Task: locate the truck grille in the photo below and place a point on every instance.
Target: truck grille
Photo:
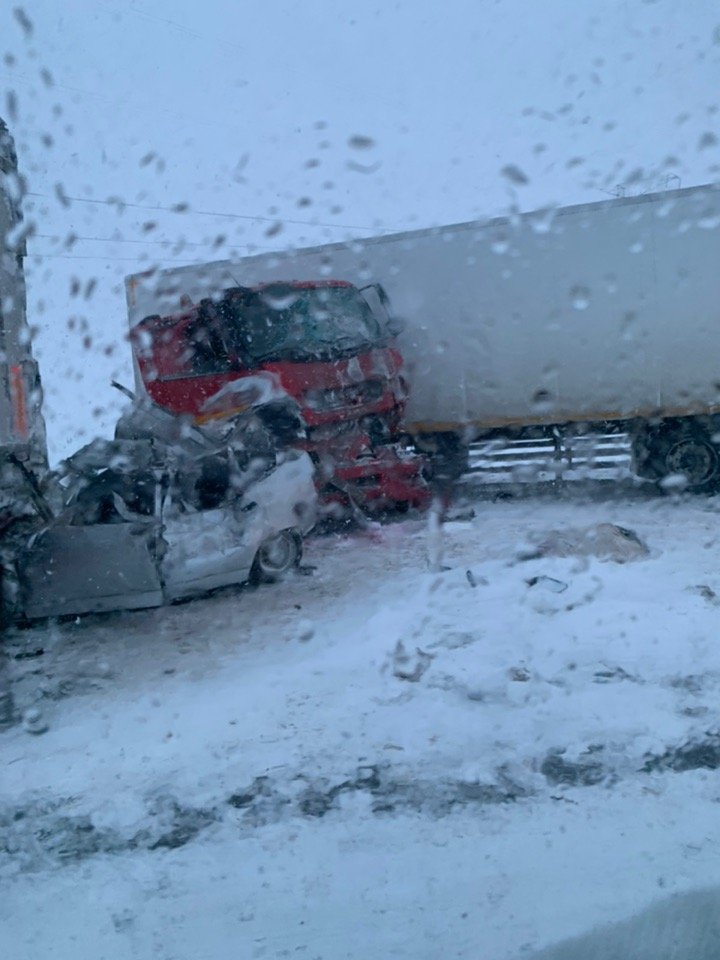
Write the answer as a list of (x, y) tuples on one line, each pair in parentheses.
[(338, 398)]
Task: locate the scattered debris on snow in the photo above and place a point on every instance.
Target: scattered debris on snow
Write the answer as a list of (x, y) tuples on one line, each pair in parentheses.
[(33, 721), (702, 753), (474, 580), (548, 583), (408, 666), (559, 771), (304, 631), (707, 593), (606, 541)]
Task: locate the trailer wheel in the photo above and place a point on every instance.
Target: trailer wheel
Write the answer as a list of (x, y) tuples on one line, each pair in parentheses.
[(679, 450), (276, 557)]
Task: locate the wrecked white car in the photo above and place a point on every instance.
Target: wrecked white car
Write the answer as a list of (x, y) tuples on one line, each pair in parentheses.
[(127, 560), (146, 521)]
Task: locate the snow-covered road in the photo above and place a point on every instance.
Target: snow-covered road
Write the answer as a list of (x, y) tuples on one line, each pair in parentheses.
[(376, 760)]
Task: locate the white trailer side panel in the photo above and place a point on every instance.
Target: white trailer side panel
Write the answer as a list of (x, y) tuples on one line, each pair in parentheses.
[(602, 311)]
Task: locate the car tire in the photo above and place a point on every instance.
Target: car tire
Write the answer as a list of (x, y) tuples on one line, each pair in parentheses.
[(276, 557)]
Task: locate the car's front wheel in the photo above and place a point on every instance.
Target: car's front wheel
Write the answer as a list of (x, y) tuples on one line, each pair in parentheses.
[(276, 556)]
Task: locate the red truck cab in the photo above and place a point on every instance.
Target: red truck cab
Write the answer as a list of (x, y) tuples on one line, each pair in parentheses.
[(328, 344)]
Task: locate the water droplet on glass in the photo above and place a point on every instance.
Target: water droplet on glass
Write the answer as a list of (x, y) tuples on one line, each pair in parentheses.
[(279, 300), (580, 297), (628, 326), (499, 244), (24, 20), (634, 177), (674, 483), (542, 401), (709, 220), (514, 174), (361, 142), (542, 221)]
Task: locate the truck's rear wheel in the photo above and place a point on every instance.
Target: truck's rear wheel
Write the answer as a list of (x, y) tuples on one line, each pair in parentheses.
[(683, 451)]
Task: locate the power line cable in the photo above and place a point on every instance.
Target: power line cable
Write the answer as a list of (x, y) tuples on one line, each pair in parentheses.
[(166, 243), (131, 8), (74, 256), (183, 208)]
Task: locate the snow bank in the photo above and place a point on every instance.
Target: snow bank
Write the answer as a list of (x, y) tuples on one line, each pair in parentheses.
[(377, 759)]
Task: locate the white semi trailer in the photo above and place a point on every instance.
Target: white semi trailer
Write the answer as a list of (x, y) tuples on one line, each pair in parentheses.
[(597, 314)]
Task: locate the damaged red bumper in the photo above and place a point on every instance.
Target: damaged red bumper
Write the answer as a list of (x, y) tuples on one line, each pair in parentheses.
[(387, 479)]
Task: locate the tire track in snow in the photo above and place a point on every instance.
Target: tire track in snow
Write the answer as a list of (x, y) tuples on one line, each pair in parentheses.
[(38, 835)]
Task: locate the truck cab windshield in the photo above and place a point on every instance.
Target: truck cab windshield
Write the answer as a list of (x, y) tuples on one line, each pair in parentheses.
[(284, 321)]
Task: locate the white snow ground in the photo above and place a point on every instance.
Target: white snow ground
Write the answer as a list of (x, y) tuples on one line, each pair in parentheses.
[(248, 776)]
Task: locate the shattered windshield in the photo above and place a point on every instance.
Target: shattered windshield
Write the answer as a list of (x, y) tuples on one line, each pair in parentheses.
[(287, 322)]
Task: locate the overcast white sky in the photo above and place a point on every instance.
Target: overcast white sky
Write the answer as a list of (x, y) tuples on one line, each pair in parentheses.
[(309, 121)]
